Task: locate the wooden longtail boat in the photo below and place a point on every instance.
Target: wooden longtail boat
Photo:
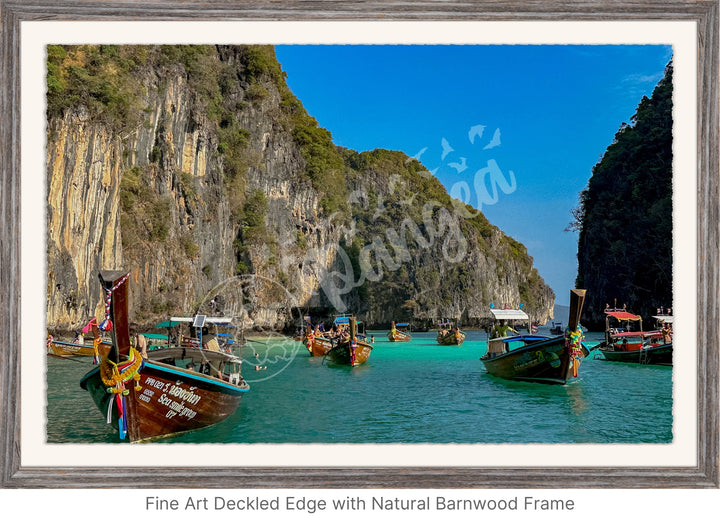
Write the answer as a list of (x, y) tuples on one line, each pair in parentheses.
[(64, 348), (626, 342), (556, 328), (164, 395), (91, 349), (317, 345), (352, 352), (641, 353), (396, 335), (449, 335), (538, 358), (316, 340)]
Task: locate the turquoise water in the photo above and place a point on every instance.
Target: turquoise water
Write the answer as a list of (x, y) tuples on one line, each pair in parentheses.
[(416, 392)]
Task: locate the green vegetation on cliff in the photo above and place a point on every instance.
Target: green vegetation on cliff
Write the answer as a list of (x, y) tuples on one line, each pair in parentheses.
[(412, 249), (625, 214)]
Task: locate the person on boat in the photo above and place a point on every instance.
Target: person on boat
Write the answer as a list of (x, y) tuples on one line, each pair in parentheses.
[(501, 330), (77, 338), (372, 338), (666, 333), (142, 345)]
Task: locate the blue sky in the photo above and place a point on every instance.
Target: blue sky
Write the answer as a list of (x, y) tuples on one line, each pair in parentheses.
[(552, 110)]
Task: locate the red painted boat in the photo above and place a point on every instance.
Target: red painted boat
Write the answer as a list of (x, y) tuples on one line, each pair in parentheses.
[(178, 390), (626, 342)]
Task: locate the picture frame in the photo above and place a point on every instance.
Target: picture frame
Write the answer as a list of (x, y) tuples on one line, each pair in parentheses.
[(705, 474)]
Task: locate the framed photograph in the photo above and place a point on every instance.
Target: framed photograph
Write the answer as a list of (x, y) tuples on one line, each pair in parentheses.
[(146, 156)]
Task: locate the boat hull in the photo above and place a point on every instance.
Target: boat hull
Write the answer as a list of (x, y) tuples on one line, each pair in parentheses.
[(318, 347), (71, 349), (543, 361), (399, 337), (655, 355), (342, 354), (170, 401), (451, 339), (74, 349)]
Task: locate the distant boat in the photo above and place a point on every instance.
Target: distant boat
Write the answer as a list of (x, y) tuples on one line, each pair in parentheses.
[(556, 328), (625, 340), (176, 390), (449, 335), (537, 358), (351, 352), (92, 349), (399, 333)]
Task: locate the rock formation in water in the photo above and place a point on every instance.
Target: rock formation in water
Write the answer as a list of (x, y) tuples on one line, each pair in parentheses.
[(625, 216), (196, 169)]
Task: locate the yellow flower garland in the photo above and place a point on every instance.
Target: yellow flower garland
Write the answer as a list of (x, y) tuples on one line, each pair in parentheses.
[(114, 380)]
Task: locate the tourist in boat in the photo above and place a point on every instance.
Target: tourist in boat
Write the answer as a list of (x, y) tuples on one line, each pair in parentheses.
[(142, 345), (667, 333), (501, 330)]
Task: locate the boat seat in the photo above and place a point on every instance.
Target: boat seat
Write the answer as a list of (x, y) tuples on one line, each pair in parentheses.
[(496, 347)]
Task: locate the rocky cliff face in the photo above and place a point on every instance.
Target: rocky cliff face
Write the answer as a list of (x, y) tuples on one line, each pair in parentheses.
[(197, 170)]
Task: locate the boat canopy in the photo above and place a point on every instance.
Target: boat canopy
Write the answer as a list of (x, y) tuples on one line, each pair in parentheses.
[(509, 315), (208, 320), (167, 324), (156, 336), (623, 316), (664, 318), (402, 324)]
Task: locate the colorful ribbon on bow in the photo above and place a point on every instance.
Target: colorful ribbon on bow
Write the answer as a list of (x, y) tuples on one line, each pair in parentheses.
[(106, 325), (573, 343), (114, 376)]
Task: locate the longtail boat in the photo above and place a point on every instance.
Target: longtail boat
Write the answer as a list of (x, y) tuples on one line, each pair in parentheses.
[(317, 344), (176, 390), (537, 358), (316, 340), (399, 333), (353, 351), (92, 349), (449, 335), (626, 342)]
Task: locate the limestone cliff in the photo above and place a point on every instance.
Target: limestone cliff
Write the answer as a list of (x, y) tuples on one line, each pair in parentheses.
[(195, 168)]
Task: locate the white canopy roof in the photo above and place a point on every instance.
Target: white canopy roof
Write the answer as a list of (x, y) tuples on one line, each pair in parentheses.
[(509, 315), (664, 318), (208, 320)]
